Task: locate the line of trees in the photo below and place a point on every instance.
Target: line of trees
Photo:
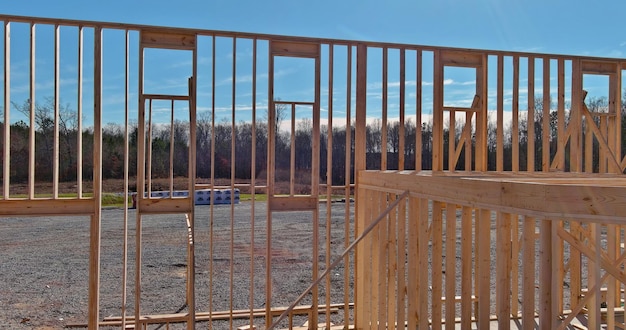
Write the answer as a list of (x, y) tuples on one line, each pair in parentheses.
[(240, 135)]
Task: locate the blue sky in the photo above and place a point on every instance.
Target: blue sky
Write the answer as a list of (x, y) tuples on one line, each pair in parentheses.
[(560, 27), (551, 26)]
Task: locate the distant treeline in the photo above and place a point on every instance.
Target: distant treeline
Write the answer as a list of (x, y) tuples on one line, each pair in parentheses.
[(225, 135)]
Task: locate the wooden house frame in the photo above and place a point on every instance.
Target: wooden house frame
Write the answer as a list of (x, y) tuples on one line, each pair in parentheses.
[(408, 216)]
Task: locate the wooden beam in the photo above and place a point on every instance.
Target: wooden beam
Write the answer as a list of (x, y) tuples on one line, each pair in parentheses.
[(167, 40), (466, 267), (436, 268), (528, 276), (515, 117), (46, 207), (359, 164), (294, 49), (500, 117), (461, 59), (546, 317), (6, 159), (503, 267), (530, 122), (451, 280), (587, 200), (547, 102), (31, 116), (94, 232)]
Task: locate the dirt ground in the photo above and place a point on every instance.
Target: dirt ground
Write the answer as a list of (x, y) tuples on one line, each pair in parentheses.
[(44, 263)]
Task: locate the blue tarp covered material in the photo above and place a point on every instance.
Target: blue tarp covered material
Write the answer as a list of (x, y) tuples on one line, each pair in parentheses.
[(202, 196)]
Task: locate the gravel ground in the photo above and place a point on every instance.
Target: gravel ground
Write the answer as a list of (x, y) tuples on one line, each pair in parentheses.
[(44, 261)]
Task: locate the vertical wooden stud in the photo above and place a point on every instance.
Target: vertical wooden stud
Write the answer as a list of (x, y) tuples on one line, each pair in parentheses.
[(437, 258), (546, 317), (94, 240), (450, 289), (483, 238), (57, 88), (329, 181), (466, 267), (422, 262), (392, 265), (347, 186), (31, 124), (545, 138), (528, 277), (418, 112), (530, 152), (383, 133), (515, 117), (503, 275), (401, 137), (500, 117), (79, 115), (359, 164), (437, 130), (6, 160)]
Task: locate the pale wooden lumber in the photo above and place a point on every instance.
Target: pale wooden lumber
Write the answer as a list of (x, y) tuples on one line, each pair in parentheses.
[(528, 279), (6, 159), (545, 122), (503, 273), (413, 298), (31, 117), (452, 146), (94, 229), (359, 164), (383, 131), (530, 119), (401, 138), (79, 112), (347, 176), (560, 124), (546, 316), (329, 165), (392, 262), (253, 183), (403, 232), (167, 40), (466, 267), (141, 186), (57, 91), (575, 121), (438, 103), (515, 264), (481, 115), (515, 117), (191, 172), (271, 166), (232, 180), (376, 296), (126, 170), (212, 206), (422, 209), (383, 248), (450, 285), (418, 112), (436, 272), (294, 49), (483, 243)]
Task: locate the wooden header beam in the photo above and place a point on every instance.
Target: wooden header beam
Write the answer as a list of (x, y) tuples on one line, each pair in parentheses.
[(583, 198), (168, 40), (294, 49)]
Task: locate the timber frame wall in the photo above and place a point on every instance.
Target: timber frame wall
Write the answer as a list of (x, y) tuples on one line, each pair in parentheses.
[(579, 136)]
